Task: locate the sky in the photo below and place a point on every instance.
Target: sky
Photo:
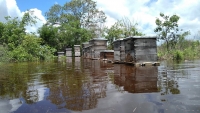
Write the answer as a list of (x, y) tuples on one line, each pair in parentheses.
[(143, 12)]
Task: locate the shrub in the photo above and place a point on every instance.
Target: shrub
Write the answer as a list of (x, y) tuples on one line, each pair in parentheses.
[(178, 55)]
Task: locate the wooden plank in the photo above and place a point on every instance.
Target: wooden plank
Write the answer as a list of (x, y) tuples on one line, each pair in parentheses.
[(147, 51), (117, 46), (129, 45), (122, 56), (77, 54), (145, 42), (99, 47), (68, 53), (117, 55), (146, 58)]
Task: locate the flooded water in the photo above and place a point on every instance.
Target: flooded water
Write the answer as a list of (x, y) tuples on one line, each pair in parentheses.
[(92, 86)]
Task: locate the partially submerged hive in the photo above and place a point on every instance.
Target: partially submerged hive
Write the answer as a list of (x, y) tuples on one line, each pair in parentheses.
[(107, 55), (85, 50), (68, 52), (60, 54), (136, 49), (77, 50), (119, 51), (97, 45), (141, 48)]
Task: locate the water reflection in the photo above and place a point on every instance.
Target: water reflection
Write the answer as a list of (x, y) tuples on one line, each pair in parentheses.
[(79, 87), (136, 79), (76, 84)]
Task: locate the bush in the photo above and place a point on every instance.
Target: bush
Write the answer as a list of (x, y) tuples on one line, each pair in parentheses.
[(178, 55), (30, 50)]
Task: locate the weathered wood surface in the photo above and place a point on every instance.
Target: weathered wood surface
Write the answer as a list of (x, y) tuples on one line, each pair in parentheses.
[(119, 51), (77, 50), (116, 45), (61, 53), (116, 55), (97, 41), (145, 42), (129, 45), (68, 52), (107, 55), (145, 51), (101, 47), (146, 58), (141, 49), (77, 54)]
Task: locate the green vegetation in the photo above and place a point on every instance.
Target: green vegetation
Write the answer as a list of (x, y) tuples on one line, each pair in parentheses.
[(184, 50), (121, 29), (78, 21), (17, 45), (176, 46)]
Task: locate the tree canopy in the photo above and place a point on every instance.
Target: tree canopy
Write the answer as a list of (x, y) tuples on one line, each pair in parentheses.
[(78, 20), (167, 29), (121, 29), (19, 45)]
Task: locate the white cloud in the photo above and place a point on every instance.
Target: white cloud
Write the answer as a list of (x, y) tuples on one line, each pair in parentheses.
[(40, 20), (8, 106), (144, 12), (10, 8)]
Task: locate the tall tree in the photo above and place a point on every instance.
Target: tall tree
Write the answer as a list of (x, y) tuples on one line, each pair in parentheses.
[(167, 29), (122, 29), (77, 19), (49, 34), (85, 11)]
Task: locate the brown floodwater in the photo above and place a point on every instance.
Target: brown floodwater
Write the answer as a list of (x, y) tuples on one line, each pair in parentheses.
[(92, 86)]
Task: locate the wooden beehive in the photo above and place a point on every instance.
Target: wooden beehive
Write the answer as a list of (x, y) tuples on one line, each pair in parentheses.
[(84, 49), (68, 52), (141, 49), (107, 55), (119, 51), (97, 45), (77, 51)]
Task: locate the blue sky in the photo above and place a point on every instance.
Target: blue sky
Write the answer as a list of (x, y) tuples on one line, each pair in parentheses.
[(43, 5)]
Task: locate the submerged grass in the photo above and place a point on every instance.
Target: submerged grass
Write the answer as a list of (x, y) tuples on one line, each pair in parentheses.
[(185, 50)]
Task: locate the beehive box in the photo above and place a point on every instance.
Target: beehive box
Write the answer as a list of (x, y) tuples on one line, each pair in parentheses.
[(141, 49), (68, 52), (107, 55), (84, 49), (97, 45), (77, 51), (119, 51)]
